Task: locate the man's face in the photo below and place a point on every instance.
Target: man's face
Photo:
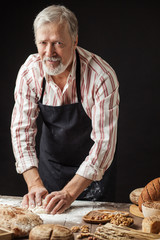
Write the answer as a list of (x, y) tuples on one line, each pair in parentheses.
[(55, 47)]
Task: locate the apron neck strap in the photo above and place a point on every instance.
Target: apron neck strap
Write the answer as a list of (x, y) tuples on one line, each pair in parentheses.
[(43, 88), (78, 77)]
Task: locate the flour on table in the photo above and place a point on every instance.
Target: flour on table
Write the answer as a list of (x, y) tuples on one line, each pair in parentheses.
[(38, 210)]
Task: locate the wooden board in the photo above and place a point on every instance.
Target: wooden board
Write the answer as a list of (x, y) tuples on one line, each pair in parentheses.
[(134, 209), (4, 235), (96, 216)]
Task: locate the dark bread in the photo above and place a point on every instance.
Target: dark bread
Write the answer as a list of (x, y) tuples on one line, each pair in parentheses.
[(151, 192)]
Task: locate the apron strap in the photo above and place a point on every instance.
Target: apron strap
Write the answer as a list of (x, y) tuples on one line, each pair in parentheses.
[(43, 88), (78, 77)]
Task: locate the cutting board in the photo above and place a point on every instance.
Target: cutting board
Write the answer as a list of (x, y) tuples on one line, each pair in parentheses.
[(134, 209), (5, 235)]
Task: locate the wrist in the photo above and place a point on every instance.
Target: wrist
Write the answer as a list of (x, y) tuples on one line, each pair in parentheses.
[(32, 178), (76, 186)]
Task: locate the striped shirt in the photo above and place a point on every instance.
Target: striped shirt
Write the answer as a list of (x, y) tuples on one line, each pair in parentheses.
[(100, 100)]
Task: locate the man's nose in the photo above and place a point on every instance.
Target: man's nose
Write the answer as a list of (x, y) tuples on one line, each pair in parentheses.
[(50, 50)]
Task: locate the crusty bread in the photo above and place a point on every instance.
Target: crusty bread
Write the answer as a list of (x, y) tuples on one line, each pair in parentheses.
[(151, 224), (151, 192), (134, 195), (18, 220), (50, 232)]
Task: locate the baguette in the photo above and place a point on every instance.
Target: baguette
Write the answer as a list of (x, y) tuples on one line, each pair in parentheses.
[(151, 192), (17, 220)]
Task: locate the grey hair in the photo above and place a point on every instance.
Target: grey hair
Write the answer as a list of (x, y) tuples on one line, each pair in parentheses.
[(57, 13)]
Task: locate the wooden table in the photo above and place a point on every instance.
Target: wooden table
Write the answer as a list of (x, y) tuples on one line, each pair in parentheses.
[(73, 216)]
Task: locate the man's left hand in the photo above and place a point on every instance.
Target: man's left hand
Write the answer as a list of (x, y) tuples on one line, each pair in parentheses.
[(57, 202)]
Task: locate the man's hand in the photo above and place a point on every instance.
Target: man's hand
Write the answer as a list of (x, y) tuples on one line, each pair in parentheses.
[(36, 189), (57, 202), (34, 197)]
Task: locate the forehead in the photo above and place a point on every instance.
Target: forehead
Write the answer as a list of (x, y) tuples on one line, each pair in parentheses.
[(53, 30)]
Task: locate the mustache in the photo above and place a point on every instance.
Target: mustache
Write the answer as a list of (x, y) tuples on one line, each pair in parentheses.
[(51, 59)]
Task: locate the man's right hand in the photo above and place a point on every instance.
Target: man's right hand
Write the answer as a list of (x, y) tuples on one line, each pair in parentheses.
[(36, 189), (34, 197)]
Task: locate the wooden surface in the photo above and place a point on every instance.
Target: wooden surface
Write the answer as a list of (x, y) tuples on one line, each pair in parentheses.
[(134, 209), (73, 216), (5, 235)]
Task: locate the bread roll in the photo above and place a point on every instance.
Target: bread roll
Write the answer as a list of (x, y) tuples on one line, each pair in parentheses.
[(51, 232), (18, 220), (151, 192)]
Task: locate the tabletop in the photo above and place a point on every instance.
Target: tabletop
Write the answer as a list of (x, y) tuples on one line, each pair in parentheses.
[(74, 215)]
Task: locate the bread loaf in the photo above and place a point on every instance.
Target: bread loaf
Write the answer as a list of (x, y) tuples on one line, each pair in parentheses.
[(151, 224), (134, 195), (51, 232), (151, 192), (18, 220)]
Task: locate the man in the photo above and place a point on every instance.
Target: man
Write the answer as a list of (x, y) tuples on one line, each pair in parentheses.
[(76, 93)]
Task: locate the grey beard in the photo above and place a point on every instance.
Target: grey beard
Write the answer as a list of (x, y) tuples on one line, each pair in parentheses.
[(57, 70)]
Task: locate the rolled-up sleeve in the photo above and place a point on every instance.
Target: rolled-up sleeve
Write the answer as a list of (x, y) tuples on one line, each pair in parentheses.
[(104, 118), (23, 122)]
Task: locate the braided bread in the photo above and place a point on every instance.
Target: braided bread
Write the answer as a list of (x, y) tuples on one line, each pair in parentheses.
[(151, 192)]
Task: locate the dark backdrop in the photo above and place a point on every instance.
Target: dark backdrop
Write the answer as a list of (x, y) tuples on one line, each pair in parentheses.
[(126, 34)]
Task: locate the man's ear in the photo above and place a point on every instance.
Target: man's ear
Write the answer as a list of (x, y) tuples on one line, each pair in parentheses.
[(76, 42)]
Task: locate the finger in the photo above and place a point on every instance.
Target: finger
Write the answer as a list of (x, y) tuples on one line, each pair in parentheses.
[(25, 201), (45, 195), (31, 200), (52, 204), (39, 196), (48, 199), (60, 205), (63, 208), (38, 199)]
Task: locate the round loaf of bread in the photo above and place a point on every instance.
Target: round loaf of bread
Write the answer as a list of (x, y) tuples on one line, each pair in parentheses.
[(51, 232), (151, 192), (134, 195)]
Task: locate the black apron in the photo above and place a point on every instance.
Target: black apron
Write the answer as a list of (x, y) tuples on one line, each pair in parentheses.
[(65, 143)]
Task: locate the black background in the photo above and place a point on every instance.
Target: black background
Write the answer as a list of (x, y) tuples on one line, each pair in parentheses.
[(127, 35)]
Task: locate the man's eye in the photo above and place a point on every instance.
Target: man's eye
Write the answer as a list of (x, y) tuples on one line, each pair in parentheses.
[(42, 43), (59, 44)]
